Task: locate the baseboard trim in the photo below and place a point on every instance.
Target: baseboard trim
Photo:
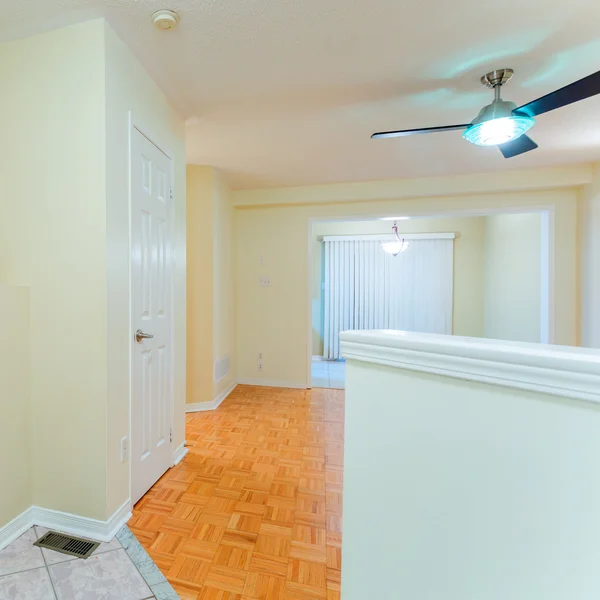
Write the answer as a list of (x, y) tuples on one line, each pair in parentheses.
[(102, 531), (94, 529), (272, 383), (13, 529), (179, 453), (202, 406)]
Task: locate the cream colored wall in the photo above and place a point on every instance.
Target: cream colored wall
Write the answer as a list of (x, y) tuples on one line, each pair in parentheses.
[(224, 249), (468, 266), (275, 319), (64, 232), (130, 90), (512, 276), (15, 450), (200, 294), (499, 478), (211, 282), (53, 239), (590, 265)]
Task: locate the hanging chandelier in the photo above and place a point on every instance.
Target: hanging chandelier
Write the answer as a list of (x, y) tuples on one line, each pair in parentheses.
[(395, 246)]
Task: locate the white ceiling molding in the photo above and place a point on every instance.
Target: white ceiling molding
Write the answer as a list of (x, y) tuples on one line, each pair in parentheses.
[(565, 371), (429, 187)]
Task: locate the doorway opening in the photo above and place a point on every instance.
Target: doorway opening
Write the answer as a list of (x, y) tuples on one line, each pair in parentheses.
[(473, 275)]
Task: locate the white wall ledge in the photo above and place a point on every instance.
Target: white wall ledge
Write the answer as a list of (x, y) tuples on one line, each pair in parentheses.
[(564, 371)]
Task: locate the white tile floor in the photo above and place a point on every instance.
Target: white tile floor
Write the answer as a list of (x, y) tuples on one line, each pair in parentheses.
[(329, 374), (31, 573)]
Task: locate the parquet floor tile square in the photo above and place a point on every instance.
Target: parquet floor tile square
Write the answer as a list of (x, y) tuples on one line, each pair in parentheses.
[(185, 592), (299, 591), (227, 579), (199, 549), (233, 556), (308, 552), (254, 511), (269, 564), (264, 587), (189, 571), (208, 593), (208, 533), (273, 545)]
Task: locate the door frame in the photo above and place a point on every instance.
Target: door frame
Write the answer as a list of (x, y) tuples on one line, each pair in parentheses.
[(136, 125), (547, 263)]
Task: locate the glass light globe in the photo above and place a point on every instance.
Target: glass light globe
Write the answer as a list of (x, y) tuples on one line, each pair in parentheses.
[(395, 247), (498, 131)]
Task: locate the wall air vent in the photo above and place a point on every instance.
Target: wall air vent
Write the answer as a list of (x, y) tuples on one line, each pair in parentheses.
[(222, 366)]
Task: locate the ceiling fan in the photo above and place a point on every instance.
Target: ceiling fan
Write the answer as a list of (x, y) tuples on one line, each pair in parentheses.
[(502, 123)]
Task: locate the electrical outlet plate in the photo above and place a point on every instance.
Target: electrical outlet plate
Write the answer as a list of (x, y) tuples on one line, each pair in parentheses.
[(265, 281), (124, 449)]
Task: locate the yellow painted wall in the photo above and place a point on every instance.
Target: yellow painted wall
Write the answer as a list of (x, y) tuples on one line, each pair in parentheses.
[(64, 232), (200, 295), (275, 319), (590, 267), (130, 90), (15, 450), (53, 239), (512, 277), (211, 282), (468, 266), (224, 248)]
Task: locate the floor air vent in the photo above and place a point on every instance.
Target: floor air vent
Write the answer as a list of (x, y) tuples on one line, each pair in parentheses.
[(67, 544)]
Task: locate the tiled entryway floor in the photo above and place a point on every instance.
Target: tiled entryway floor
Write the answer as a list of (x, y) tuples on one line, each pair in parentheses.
[(329, 374), (31, 573)]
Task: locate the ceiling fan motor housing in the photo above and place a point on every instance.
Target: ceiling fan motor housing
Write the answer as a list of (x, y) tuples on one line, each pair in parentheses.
[(497, 77), (498, 109)]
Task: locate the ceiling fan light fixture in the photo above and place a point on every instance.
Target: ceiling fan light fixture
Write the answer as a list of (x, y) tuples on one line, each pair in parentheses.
[(498, 131)]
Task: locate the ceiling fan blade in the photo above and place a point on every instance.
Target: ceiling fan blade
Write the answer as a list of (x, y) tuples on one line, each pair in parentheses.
[(522, 144), (388, 134), (579, 90)]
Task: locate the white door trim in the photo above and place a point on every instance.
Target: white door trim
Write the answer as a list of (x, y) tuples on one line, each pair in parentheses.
[(136, 125)]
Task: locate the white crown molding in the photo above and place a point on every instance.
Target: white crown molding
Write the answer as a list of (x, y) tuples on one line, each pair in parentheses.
[(94, 529), (203, 406), (558, 370), (272, 383), (179, 453)]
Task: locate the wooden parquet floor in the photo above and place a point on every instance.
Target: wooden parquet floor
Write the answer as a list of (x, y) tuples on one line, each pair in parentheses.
[(254, 511)]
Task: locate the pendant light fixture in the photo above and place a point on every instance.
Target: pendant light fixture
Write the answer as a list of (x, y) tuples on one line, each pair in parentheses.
[(395, 246)]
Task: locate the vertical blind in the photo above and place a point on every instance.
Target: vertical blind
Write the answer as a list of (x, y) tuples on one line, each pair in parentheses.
[(365, 288)]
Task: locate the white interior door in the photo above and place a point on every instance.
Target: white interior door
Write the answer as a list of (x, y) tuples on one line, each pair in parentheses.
[(151, 267)]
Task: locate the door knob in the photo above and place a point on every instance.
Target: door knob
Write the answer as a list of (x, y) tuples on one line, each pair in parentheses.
[(140, 335)]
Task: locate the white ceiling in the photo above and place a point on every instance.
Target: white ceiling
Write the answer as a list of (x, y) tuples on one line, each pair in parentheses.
[(287, 92)]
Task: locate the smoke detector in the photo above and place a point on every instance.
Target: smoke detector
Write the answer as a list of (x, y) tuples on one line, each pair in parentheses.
[(165, 19)]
